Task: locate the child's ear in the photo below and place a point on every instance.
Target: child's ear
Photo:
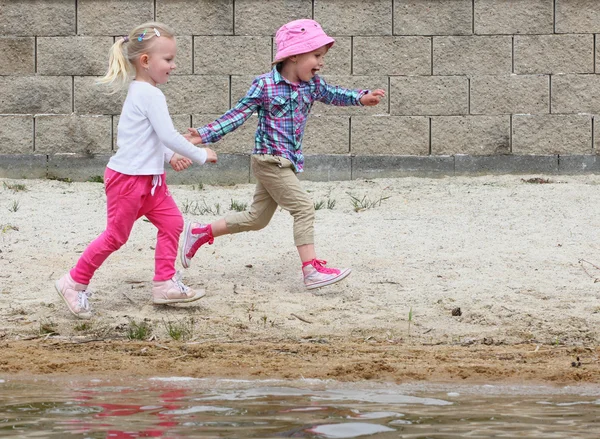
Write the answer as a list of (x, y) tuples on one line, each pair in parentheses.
[(144, 60), (293, 59)]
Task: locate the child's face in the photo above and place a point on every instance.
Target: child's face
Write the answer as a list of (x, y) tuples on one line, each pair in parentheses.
[(161, 60), (308, 64)]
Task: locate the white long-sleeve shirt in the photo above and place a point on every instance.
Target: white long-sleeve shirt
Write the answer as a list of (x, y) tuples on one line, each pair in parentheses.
[(146, 135)]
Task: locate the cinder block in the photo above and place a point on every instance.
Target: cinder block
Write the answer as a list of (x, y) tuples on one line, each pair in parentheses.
[(16, 134), (240, 141), (552, 134), (229, 169), (23, 165), (339, 58), (86, 135), (185, 55), (355, 17), (77, 167), (505, 164), (359, 83), (180, 121), (579, 164), (510, 94), (322, 167), (575, 94), (41, 18), (429, 95), (94, 98), (257, 17), (401, 166), (514, 17), (52, 94), (197, 17), (474, 55), (240, 86), (390, 135), (17, 55), (392, 56), (73, 55), (197, 94), (596, 135), (476, 135), (327, 135), (577, 16), (554, 54), (433, 17), (231, 55), (112, 17)]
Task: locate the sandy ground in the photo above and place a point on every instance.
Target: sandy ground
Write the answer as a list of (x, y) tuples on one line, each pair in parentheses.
[(519, 259)]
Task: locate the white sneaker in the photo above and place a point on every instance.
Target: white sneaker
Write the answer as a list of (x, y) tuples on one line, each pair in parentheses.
[(316, 275), (174, 291), (75, 295)]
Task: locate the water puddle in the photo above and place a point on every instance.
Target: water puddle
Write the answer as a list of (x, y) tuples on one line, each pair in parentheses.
[(201, 408)]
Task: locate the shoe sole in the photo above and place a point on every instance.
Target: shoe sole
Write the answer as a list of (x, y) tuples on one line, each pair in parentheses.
[(84, 316), (169, 301), (344, 274), (184, 261)]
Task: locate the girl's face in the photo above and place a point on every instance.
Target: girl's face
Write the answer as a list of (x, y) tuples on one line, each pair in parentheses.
[(308, 64), (159, 62)]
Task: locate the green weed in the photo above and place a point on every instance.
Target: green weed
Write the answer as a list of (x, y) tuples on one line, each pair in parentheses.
[(138, 331), (14, 187), (182, 330), (365, 202), (195, 208), (14, 206), (237, 206), (96, 179)]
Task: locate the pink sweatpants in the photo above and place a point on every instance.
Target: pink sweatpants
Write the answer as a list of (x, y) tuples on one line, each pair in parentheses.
[(128, 197)]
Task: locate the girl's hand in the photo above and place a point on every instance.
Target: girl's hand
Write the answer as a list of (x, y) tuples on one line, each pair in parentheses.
[(372, 98), (192, 136), (211, 156), (179, 162)]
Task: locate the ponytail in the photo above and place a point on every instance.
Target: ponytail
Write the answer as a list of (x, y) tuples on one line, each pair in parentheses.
[(120, 69)]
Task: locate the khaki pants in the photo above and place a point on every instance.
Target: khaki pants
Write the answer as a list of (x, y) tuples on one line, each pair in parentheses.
[(277, 186)]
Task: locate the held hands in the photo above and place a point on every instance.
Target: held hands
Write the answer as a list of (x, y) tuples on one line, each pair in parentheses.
[(372, 98), (211, 156), (192, 136), (179, 162)]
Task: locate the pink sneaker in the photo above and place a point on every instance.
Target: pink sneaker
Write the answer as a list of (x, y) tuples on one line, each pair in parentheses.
[(195, 236), (316, 275), (174, 291), (75, 296)]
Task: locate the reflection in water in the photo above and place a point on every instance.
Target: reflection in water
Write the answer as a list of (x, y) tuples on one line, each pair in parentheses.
[(179, 407)]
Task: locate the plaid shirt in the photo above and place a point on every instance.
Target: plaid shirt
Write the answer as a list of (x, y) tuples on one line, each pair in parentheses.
[(283, 109)]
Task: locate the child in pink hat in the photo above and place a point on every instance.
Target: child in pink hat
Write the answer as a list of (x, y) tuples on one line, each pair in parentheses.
[(283, 99)]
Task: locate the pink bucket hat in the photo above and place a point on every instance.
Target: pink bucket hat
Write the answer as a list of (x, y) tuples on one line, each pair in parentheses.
[(300, 36)]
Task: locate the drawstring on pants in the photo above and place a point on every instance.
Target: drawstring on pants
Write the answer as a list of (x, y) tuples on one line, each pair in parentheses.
[(156, 181)]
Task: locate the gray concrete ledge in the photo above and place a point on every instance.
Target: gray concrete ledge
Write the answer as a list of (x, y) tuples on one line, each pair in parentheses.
[(235, 168), (401, 166), (579, 164), (23, 165), (505, 164)]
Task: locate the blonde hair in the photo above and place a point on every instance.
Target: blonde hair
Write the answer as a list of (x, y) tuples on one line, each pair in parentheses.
[(127, 49)]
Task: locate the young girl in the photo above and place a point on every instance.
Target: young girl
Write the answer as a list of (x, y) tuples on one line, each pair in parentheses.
[(134, 179), (283, 98)]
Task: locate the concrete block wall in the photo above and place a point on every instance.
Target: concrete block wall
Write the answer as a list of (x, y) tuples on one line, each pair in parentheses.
[(472, 85)]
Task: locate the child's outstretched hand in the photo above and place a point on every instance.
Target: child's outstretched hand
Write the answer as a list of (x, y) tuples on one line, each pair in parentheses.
[(179, 162), (192, 136), (372, 98), (211, 156)]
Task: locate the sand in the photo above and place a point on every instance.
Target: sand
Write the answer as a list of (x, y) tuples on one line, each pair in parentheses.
[(520, 260)]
